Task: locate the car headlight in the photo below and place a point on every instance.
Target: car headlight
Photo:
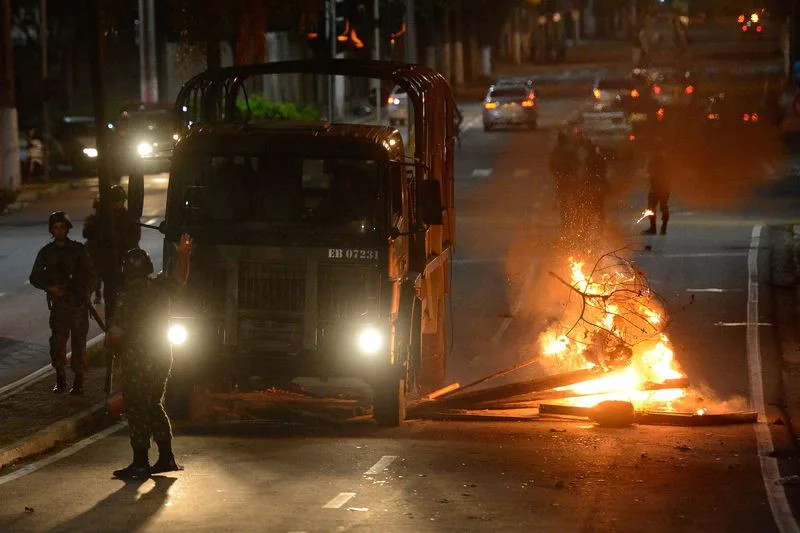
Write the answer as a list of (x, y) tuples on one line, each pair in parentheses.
[(90, 152), (370, 340), (177, 334), (144, 149)]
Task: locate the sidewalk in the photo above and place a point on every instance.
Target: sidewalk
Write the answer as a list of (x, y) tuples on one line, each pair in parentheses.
[(32, 192)]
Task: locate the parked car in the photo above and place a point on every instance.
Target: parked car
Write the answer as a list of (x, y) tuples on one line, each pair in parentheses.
[(510, 105)]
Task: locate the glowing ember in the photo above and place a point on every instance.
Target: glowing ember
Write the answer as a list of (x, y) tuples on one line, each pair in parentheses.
[(620, 332), (646, 213)]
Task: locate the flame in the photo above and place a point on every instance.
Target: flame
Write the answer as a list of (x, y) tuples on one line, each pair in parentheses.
[(615, 317), (646, 213)]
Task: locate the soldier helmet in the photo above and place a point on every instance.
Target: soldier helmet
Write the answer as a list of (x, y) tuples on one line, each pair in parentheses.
[(118, 194), (59, 216), (136, 264)]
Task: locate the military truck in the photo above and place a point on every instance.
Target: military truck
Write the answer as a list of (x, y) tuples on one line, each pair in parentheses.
[(321, 249)]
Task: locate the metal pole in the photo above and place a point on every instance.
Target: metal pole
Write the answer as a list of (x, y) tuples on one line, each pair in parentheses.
[(46, 92), (332, 37), (376, 55), (147, 52), (96, 63), (411, 32)]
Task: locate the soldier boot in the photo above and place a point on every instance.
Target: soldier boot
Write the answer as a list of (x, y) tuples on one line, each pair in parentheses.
[(61, 381), (77, 385), (138, 469), (166, 459)]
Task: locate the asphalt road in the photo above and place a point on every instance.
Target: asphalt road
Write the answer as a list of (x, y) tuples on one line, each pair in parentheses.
[(712, 270)]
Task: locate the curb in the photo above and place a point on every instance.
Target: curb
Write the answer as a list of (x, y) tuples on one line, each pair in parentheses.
[(63, 430), (38, 375)]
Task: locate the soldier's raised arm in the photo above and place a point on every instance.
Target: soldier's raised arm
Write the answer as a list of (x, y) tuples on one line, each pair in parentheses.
[(181, 274)]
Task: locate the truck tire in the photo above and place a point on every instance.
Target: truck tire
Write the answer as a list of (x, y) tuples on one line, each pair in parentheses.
[(389, 402), (389, 389)]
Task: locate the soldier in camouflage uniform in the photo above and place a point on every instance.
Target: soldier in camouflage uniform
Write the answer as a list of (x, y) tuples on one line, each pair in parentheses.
[(136, 335), (64, 270)]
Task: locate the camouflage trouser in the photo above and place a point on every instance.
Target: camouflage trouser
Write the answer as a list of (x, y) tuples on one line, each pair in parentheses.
[(144, 381), (68, 323)]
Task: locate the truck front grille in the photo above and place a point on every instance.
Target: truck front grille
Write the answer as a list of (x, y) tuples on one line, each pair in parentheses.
[(272, 287)]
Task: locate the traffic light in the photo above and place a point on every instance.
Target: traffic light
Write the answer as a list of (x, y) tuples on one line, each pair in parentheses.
[(394, 21), (349, 15)]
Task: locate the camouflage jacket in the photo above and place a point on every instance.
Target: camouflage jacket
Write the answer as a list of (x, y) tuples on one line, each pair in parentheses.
[(68, 265), (142, 313)]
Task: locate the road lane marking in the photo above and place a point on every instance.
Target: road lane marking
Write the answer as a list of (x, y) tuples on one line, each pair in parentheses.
[(481, 172), (381, 465), (521, 173), (740, 324), (713, 290), (75, 448), (776, 495), (339, 500)]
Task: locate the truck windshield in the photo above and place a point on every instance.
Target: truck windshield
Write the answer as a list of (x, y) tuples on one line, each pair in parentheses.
[(276, 190)]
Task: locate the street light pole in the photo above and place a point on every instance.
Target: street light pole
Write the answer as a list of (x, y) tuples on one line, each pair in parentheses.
[(376, 55), (46, 92)]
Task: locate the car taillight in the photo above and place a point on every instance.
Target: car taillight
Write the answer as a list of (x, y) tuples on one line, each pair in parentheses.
[(631, 137), (527, 103), (754, 117), (634, 94), (660, 113), (744, 28), (741, 19), (759, 28), (746, 117), (712, 116), (657, 89), (489, 105), (689, 89), (596, 93)]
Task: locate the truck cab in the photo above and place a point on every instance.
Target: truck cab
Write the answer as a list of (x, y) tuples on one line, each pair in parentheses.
[(321, 249)]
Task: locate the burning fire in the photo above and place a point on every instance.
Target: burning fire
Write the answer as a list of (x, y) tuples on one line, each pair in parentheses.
[(619, 333), (646, 213)]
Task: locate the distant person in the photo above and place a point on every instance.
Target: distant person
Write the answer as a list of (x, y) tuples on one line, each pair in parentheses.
[(93, 243), (596, 185), (126, 236), (64, 270), (564, 165), (35, 156), (658, 195), (145, 358)]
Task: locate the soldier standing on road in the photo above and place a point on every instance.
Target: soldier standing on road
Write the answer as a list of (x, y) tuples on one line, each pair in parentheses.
[(127, 237), (64, 270), (658, 195), (137, 333)]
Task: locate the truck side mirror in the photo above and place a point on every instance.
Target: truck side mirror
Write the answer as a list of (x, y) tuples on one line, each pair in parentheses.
[(136, 195), (431, 203)]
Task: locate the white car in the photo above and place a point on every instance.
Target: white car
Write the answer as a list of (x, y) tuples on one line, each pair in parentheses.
[(609, 130), (397, 107)]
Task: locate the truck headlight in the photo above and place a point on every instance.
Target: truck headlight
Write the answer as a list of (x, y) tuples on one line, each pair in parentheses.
[(370, 340), (177, 334), (91, 153), (144, 149)]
